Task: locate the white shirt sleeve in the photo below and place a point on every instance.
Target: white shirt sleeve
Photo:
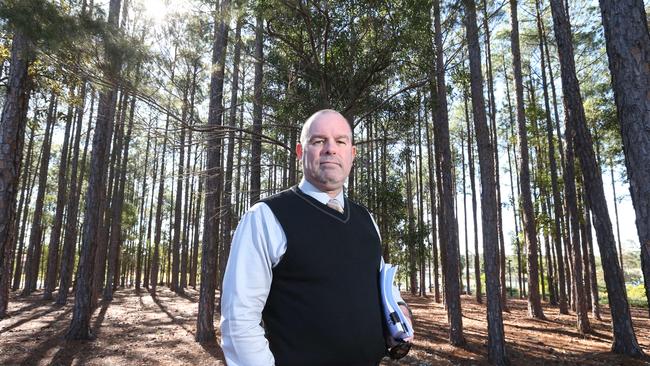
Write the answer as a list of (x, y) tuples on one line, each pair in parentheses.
[(396, 293), (257, 246)]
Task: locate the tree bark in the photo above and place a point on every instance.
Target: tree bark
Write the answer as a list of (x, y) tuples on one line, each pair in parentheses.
[(410, 242), (256, 142), (432, 200), (61, 198), (232, 120), (472, 177), (213, 185), (618, 231), (71, 230), (80, 325), (557, 201), (141, 229), (493, 125), (530, 228), (496, 338), (116, 221), (114, 149), (450, 224), (25, 198), (589, 254), (628, 49), (148, 253), (570, 191), (12, 131), (189, 198), (178, 204), (515, 207), (462, 154), (623, 331), (195, 240), (34, 249)]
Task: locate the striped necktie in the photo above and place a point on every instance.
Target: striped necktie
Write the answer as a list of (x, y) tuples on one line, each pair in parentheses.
[(334, 204)]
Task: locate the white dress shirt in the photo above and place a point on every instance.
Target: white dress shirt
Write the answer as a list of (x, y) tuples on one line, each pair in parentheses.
[(257, 247)]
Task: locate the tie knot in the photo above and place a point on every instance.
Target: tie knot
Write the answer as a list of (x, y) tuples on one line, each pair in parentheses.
[(334, 204)]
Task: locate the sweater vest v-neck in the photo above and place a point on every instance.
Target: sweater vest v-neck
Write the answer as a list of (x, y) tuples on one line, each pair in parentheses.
[(324, 306)]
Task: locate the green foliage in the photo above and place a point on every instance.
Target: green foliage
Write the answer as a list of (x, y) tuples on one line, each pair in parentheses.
[(129, 216), (332, 54), (4, 51), (44, 22), (636, 295)]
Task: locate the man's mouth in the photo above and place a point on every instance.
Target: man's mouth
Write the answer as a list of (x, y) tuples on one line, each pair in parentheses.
[(330, 162)]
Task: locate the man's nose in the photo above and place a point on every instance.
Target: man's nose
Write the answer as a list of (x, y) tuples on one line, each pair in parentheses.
[(330, 147)]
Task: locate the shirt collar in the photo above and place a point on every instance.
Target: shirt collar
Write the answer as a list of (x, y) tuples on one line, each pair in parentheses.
[(322, 197)]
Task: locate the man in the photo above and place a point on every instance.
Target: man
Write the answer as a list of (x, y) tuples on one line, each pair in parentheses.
[(305, 263)]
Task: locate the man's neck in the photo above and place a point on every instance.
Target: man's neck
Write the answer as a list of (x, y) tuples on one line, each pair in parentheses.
[(312, 190)]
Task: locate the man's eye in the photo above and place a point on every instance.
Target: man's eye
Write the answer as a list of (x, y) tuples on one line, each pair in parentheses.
[(317, 142), (341, 142)]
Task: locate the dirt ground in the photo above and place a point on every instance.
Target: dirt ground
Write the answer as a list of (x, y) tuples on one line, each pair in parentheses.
[(136, 329)]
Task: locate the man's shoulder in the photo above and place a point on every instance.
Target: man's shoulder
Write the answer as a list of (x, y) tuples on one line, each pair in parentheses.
[(357, 205), (280, 196)]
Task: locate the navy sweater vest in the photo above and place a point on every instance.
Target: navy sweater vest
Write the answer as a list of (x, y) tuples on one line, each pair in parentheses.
[(324, 304)]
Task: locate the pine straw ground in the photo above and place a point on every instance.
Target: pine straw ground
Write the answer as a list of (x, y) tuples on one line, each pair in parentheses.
[(136, 329)]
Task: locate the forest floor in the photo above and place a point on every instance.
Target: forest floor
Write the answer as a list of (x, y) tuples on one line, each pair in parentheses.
[(136, 329)]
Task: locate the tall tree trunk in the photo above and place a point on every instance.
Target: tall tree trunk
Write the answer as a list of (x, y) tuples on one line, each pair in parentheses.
[(155, 256), (178, 204), (141, 229), (496, 337), (628, 49), (450, 224), (462, 154), (213, 185), (493, 126), (256, 141), (189, 184), (148, 253), (116, 222), (420, 227), (34, 250), (104, 236), (572, 203), (530, 229), (589, 254), (472, 178), (12, 134), (232, 120), (618, 231), (624, 338), (432, 199), (410, 243), (71, 229), (515, 207), (195, 240), (80, 325), (586, 275), (549, 257), (557, 201), (25, 198), (61, 198)]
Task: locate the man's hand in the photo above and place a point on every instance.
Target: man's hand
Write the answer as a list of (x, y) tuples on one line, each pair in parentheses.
[(409, 317)]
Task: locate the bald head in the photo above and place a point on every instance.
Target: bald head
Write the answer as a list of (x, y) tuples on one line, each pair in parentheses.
[(326, 150), (304, 133)]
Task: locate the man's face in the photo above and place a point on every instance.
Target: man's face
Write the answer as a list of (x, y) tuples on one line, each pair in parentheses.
[(328, 153)]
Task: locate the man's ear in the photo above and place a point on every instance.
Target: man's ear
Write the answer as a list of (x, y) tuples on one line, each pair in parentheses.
[(354, 152), (299, 151)]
